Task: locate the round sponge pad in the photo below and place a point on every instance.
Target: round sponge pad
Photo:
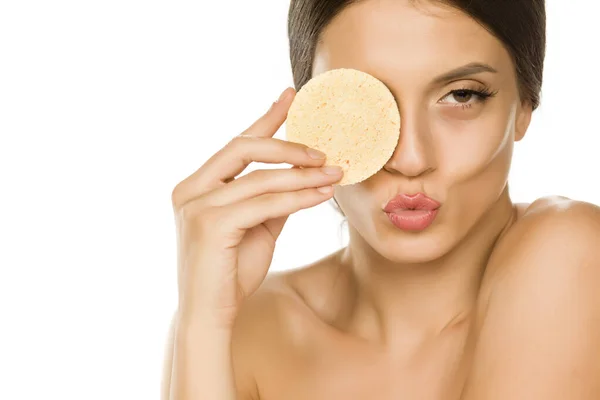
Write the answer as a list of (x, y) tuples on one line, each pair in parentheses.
[(350, 116)]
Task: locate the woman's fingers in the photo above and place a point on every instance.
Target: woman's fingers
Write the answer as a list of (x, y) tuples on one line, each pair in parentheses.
[(253, 145), (271, 121), (248, 147), (257, 210), (272, 181), (236, 156), (243, 150)]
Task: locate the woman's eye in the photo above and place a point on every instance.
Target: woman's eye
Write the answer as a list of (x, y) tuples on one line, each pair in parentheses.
[(462, 96), (459, 97), (466, 98)]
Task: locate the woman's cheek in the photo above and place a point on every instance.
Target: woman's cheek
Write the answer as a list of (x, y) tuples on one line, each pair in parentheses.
[(350, 197), (476, 163), (467, 148)]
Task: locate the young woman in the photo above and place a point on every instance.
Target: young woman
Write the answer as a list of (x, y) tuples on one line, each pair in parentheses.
[(475, 298)]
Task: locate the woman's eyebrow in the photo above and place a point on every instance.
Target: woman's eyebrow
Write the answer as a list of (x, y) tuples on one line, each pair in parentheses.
[(464, 71)]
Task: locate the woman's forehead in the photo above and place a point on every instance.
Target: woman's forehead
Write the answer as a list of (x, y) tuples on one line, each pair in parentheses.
[(406, 36)]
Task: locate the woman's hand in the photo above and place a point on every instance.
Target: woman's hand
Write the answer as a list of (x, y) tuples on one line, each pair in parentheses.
[(227, 227)]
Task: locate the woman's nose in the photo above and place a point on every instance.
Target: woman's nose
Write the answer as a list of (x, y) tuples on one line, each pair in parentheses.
[(414, 154)]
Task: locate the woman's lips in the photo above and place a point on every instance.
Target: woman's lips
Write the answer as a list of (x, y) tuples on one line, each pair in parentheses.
[(412, 212), (412, 220)]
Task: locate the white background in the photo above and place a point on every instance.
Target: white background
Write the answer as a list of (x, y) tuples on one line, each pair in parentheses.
[(106, 105)]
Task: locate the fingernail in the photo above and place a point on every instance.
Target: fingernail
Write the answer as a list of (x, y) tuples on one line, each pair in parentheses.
[(315, 154), (332, 170), (325, 189), (283, 96)]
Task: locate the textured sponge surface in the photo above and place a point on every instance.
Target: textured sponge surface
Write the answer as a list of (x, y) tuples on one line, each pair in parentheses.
[(350, 116)]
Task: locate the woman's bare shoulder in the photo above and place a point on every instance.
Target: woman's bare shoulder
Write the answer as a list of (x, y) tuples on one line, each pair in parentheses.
[(286, 298), (305, 289), (551, 233), (280, 318), (546, 222), (539, 309)]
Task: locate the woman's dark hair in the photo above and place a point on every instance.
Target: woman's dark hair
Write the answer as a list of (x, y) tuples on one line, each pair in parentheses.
[(520, 25)]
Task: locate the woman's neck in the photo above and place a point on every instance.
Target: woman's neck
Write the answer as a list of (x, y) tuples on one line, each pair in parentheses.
[(423, 299)]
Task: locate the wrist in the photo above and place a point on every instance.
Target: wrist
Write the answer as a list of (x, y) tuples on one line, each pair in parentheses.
[(203, 323)]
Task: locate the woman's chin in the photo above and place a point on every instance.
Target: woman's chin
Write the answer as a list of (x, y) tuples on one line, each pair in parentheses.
[(403, 240), (412, 250), (412, 247)]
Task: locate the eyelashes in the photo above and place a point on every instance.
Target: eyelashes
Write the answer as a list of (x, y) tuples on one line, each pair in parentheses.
[(467, 97)]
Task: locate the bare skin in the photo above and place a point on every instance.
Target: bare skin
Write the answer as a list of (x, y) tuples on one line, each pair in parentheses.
[(495, 300)]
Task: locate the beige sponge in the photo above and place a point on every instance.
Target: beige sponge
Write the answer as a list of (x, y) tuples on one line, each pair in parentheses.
[(350, 116)]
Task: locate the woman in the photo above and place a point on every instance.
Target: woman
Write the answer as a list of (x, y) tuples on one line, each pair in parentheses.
[(484, 300)]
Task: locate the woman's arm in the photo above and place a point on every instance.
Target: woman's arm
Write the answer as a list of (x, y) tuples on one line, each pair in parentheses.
[(198, 363), (165, 392), (539, 332)]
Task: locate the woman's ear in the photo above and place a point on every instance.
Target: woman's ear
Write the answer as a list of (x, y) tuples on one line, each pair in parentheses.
[(523, 119)]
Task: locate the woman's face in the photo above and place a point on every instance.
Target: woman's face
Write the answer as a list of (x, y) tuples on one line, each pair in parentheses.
[(460, 110)]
